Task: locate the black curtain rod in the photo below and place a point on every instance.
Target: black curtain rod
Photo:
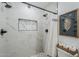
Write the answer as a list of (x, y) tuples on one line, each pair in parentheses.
[(39, 7)]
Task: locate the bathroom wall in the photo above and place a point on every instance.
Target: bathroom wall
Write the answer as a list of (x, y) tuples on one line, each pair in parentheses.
[(21, 43), (2, 25), (64, 7), (26, 43)]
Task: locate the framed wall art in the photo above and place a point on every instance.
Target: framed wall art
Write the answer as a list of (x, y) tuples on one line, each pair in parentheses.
[(69, 23)]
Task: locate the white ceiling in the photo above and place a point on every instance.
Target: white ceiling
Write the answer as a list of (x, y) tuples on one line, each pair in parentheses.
[(39, 4), (45, 5)]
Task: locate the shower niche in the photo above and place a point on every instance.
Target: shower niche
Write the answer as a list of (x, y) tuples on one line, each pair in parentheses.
[(27, 25), (69, 23)]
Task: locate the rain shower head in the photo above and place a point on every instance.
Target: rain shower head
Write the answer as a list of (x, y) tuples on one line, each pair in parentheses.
[(7, 5)]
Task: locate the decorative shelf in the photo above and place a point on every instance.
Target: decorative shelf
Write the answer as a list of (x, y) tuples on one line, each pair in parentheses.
[(67, 50)]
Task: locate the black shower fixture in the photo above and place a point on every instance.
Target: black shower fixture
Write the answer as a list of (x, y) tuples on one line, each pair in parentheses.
[(45, 15), (2, 32), (46, 30), (7, 5)]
